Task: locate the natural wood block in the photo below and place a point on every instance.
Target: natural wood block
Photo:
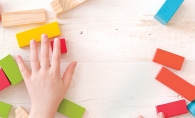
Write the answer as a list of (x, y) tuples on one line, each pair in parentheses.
[(11, 69), (4, 109), (23, 17), (51, 30), (57, 7), (21, 113), (173, 108), (61, 6), (176, 83), (71, 109), (62, 45), (4, 82), (168, 59)]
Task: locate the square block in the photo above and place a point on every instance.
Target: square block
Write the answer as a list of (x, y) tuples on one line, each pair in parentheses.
[(51, 30), (168, 59), (4, 109), (71, 109), (63, 45), (173, 108), (11, 69), (4, 82), (191, 108), (23, 17), (167, 10), (176, 83), (20, 113)]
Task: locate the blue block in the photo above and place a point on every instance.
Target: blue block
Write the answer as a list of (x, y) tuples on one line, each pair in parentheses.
[(167, 11), (191, 108)]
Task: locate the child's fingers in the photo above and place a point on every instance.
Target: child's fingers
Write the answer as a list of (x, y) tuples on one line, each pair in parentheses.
[(67, 77), (44, 52), (161, 115), (34, 56), (56, 55), (140, 117), (24, 71)]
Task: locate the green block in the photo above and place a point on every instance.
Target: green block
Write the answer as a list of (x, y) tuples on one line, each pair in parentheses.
[(71, 109), (4, 109), (11, 69)]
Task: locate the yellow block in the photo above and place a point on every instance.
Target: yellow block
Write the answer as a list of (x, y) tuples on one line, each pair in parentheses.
[(51, 29)]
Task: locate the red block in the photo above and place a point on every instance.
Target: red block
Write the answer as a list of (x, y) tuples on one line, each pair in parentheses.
[(4, 82), (173, 108), (176, 83), (168, 59), (63, 46)]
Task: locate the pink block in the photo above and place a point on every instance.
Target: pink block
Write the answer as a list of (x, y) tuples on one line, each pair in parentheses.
[(63, 46), (173, 108), (4, 82)]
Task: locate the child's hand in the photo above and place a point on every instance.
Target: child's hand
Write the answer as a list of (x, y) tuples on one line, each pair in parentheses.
[(160, 115), (45, 85)]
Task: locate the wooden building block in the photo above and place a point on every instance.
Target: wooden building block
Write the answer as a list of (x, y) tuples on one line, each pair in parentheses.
[(71, 109), (51, 29), (168, 59), (176, 83), (173, 108), (11, 69), (23, 17), (21, 113), (57, 7), (4, 109), (63, 45), (4, 82), (191, 108), (61, 6), (167, 10)]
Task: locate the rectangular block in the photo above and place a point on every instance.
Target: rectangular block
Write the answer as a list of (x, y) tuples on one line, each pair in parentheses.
[(71, 109), (51, 29), (173, 108), (4, 82), (63, 45), (23, 17), (21, 113), (176, 83), (191, 108), (4, 109), (167, 10), (61, 6), (168, 59), (11, 69)]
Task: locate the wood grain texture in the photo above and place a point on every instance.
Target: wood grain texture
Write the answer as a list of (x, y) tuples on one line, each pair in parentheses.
[(20, 113), (23, 17), (113, 42), (61, 6)]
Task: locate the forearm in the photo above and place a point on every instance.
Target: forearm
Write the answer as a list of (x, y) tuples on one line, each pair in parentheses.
[(42, 113)]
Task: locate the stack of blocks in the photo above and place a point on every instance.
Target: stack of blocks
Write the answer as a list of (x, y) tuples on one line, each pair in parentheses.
[(174, 82), (167, 11)]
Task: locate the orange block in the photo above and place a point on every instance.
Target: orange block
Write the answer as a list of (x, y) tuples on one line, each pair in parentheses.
[(168, 59), (176, 83)]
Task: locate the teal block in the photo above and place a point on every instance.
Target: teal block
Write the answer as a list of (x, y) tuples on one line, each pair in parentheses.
[(191, 108), (11, 69), (4, 109), (167, 11), (71, 109)]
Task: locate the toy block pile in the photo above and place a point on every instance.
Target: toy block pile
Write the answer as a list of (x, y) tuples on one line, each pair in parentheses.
[(174, 82), (9, 71)]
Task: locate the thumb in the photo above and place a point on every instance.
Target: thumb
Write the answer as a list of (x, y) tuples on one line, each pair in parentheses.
[(67, 77), (161, 115)]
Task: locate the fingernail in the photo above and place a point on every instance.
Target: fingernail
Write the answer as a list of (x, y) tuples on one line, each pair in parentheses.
[(75, 64), (161, 114), (56, 39), (44, 36), (32, 42)]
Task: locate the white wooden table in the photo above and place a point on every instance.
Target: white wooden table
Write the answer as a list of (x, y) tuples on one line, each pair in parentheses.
[(114, 42)]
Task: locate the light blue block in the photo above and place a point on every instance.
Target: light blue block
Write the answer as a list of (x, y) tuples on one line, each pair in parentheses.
[(191, 108), (167, 11)]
